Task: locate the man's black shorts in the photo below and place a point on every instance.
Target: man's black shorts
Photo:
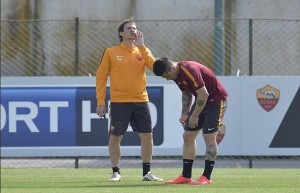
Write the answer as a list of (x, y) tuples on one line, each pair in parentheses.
[(137, 114), (210, 118)]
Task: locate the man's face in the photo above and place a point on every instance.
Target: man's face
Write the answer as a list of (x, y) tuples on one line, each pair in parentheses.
[(170, 75), (129, 32)]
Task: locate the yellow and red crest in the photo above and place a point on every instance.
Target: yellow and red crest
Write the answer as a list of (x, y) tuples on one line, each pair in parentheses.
[(139, 57), (268, 97)]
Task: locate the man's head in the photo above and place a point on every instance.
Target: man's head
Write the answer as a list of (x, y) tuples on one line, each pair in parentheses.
[(127, 30), (165, 68)]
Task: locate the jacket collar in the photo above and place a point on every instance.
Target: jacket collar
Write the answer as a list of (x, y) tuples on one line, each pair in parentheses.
[(130, 48)]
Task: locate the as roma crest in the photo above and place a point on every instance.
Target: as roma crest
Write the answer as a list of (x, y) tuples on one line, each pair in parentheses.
[(268, 97), (139, 57)]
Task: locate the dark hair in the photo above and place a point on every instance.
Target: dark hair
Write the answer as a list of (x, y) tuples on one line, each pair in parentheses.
[(161, 66), (121, 27)]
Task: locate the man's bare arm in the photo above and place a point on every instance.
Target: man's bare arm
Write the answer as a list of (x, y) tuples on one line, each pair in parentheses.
[(186, 102)]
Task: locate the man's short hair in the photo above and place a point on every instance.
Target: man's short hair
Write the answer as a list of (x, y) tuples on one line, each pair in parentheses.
[(161, 66), (121, 27)]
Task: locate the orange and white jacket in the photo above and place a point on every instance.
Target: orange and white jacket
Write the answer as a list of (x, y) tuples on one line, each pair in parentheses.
[(126, 67)]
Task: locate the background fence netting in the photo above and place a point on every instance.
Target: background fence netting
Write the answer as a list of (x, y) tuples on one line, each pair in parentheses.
[(229, 47), (75, 48)]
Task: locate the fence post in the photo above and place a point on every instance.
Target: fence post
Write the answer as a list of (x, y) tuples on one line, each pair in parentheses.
[(76, 46), (36, 35), (250, 48), (250, 162), (76, 162), (219, 37)]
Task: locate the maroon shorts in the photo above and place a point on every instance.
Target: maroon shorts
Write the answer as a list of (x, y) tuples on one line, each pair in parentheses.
[(210, 118), (135, 114)]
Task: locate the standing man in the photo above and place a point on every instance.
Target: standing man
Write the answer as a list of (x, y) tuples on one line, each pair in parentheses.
[(206, 113), (125, 64)]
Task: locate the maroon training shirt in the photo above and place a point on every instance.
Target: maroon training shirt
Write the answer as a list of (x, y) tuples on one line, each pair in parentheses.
[(194, 75)]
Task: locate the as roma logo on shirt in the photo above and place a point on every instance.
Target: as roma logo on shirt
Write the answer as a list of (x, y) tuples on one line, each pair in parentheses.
[(139, 57), (268, 97)]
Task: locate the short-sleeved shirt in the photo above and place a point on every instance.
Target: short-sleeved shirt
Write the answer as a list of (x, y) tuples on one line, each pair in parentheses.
[(193, 76)]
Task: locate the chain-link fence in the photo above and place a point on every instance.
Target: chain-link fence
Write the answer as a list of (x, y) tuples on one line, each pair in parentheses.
[(75, 48), (158, 162)]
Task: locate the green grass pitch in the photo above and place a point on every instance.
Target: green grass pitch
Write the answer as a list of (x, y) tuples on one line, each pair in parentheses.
[(41, 180)]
